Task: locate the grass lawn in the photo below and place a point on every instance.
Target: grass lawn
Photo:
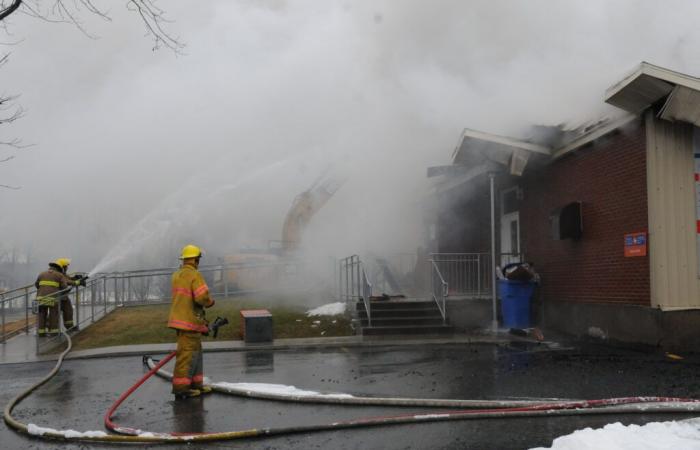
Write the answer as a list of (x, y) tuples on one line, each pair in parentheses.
[(147, 324)]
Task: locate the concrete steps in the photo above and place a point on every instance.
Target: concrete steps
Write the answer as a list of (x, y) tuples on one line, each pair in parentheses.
[(401, 317)]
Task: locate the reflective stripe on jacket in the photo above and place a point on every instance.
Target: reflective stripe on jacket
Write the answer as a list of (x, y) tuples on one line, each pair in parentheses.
[(50, 285), (190, 297)]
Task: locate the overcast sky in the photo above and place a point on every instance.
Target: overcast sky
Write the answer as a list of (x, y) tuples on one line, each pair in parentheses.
[(153, 149)]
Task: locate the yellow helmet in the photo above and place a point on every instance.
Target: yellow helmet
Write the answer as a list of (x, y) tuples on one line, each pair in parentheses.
[(190, 251), (63, 262)]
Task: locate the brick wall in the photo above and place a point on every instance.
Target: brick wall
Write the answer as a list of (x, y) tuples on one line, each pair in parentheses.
[(609, 177)]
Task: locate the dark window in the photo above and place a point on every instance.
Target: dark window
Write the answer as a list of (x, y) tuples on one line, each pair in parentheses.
[(510, 201)]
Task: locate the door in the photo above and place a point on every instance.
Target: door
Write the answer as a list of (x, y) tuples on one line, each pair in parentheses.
[(510, 238)]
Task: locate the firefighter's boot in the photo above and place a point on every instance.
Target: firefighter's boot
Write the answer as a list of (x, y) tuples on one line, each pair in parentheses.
[(188, 394)]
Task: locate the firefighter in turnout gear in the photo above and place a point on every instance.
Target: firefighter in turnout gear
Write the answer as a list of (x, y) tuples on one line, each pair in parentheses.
[(190, 297), (65, 305), (51, 285)]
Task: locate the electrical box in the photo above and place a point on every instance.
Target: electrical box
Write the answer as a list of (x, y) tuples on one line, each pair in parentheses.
[(256, 325)]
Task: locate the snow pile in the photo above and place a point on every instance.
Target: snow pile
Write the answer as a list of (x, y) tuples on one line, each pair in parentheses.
[(276, 389), (615, 436), (596, 333), (431, 416), (331, 309), (40, 431)]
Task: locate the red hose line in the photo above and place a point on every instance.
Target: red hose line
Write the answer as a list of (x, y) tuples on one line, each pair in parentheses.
[(584, 404), (378, 420), (108, 416)]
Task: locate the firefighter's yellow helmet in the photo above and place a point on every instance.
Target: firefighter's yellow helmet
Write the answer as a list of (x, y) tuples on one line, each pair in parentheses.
[(63, 262), (190, 251)]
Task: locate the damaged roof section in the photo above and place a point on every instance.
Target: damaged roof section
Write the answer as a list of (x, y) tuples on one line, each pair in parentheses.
[(673, 95), (478, 152), (476, 148), (670, 95)]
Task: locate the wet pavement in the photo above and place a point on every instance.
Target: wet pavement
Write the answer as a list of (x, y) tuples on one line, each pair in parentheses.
[(80, 394)]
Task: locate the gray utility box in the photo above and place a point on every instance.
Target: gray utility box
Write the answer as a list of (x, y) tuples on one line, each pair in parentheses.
[(256, 325)]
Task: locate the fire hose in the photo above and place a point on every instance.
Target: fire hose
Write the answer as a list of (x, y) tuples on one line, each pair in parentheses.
[(475, 409)]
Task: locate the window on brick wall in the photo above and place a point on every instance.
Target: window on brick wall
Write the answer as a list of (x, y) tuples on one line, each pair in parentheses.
[(509, 201)]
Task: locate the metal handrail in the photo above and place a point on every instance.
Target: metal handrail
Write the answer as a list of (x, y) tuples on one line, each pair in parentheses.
[(106, 291), (354, 284), (442, 294), (366, 294)]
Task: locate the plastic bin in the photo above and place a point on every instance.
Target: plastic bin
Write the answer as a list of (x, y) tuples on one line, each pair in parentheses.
[(515, 302)]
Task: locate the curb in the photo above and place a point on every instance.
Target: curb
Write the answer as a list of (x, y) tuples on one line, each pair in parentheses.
[(287, 344)]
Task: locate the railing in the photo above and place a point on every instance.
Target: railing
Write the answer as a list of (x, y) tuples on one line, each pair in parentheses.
[(17, 304), (467, 274), (366, 293), (393, 274), (354, 284), (439, 290), (107, 291)]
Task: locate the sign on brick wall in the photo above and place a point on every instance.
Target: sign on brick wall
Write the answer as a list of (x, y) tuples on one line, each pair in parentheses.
[(635, 244)]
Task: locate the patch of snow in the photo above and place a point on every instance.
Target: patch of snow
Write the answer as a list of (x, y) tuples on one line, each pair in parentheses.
[(78, 434), (70, 434), (331, 309), (276, 389), (615, 436), (37, 430), (431, 416), (317, 322), (596, 332)]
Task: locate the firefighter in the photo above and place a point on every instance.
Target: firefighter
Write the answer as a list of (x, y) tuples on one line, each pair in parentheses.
[(50, 285), (65, 305), (190, 297)]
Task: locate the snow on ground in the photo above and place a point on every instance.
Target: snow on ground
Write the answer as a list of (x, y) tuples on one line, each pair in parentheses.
[(276, 389), (331, 309), (615, 436), (40, 431)]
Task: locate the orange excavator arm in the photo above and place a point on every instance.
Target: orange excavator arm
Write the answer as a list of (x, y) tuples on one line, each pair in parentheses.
[(304, 207)]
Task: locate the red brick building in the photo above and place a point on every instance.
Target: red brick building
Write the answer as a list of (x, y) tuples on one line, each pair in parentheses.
[(633, 273)]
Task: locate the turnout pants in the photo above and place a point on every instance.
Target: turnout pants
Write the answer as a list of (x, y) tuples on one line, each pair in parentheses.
[(67, 312), (189, 364), (47, 319)]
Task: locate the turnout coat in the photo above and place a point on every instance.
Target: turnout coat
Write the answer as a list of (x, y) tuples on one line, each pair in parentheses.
[(190, 296)]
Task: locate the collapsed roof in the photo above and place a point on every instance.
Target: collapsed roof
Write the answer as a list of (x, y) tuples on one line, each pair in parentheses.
[(671, 95)]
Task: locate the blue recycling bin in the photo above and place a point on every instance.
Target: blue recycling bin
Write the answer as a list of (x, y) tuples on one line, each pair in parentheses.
[(515, 302)]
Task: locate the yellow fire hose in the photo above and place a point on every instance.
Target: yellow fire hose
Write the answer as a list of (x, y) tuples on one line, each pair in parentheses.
[(136, 436)]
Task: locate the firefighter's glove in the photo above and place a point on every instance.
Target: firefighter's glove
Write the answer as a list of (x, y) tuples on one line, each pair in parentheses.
[(81, 279)]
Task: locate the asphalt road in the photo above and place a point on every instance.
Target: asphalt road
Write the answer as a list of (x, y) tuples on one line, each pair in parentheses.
[(80, 394)]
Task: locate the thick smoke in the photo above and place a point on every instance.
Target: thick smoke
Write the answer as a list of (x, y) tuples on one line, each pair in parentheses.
[(138, 152)]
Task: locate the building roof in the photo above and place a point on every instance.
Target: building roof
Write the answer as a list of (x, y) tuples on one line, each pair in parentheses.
[(675, 94)]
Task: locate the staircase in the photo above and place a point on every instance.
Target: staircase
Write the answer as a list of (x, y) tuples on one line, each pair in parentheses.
[(401, 316)]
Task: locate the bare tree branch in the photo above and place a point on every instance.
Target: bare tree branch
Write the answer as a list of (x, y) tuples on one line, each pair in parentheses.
[(152, 16), (10, 9), (16, 143), (154, 19), (70, 11), (7, 103)]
